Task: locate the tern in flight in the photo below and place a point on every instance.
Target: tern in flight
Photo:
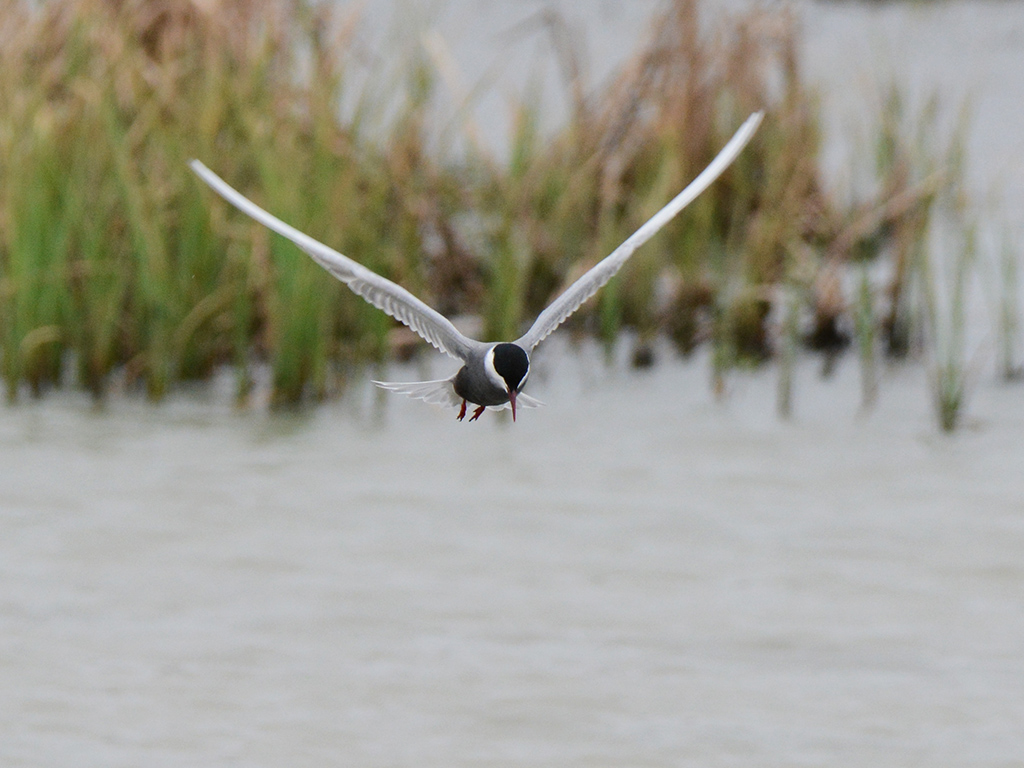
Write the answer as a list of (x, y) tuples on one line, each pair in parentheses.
[(492, 374)]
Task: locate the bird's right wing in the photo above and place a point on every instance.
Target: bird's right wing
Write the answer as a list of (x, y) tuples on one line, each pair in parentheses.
[(378, 291), (561, 308)]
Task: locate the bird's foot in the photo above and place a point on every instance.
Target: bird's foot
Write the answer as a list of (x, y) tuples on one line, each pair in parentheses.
[(462, 412), (477, 412)]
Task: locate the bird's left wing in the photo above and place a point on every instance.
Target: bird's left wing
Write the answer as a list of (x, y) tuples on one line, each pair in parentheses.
[(378, 291), (561, 308)]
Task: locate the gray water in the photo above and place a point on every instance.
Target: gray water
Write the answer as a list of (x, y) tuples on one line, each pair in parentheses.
[(635, 575)]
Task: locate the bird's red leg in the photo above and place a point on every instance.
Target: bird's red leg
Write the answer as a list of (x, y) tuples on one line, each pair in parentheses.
[(462, 411), (477, 412)]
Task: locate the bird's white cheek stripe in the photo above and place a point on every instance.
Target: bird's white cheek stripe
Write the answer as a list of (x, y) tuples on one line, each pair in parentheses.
[(491, 371)]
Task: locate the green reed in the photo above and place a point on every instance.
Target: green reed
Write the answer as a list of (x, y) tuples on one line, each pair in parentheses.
[(945, 298), (866, 332), (1008, 329), (116, 264)]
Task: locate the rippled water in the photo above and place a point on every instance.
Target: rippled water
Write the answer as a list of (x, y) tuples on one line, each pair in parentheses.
[(631, 576), (635, 575)]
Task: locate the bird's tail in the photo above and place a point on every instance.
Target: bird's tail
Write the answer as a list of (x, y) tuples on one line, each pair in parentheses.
[(442, 392), (522, 401), (439, 392)]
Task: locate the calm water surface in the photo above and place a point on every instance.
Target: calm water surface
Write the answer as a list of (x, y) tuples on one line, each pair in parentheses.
[(631, 576), (635, 575)]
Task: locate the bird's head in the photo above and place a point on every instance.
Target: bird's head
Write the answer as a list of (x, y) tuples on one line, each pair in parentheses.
[(510, 364)]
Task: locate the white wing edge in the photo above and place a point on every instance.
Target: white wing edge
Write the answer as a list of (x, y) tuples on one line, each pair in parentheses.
[(586, 286), (390, 297)]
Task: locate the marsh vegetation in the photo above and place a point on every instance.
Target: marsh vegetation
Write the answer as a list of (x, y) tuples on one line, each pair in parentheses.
[(117, 265)]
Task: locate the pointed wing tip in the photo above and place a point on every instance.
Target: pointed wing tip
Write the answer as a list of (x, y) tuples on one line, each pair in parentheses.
[(746, 130), (750, 125), (211, 179)]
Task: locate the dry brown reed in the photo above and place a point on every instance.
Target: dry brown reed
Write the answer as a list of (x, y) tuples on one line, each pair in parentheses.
[(114, 259)]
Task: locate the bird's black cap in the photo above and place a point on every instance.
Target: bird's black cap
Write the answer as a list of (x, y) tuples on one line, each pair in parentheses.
[(512, 364)]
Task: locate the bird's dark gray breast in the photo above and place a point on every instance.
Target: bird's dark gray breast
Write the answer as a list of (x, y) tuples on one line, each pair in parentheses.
[(472, 384)]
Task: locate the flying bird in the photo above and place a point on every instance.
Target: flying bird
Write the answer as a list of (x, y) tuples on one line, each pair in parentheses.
[(492, 374)]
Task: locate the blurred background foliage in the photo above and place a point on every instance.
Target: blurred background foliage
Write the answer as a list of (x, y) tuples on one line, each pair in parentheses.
[(117, 264)]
